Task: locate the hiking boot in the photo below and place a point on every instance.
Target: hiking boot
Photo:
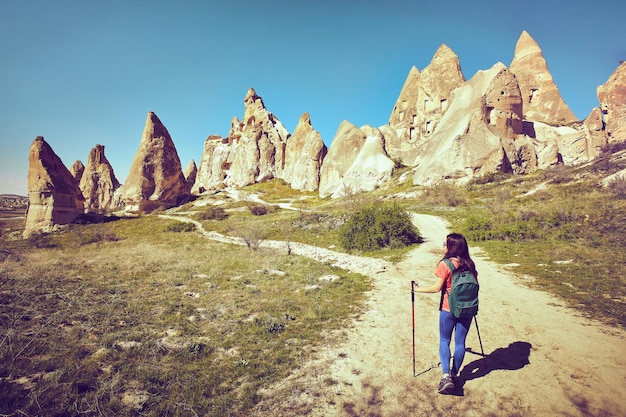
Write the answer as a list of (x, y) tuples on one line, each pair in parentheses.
[(454, 375), (446, 386)]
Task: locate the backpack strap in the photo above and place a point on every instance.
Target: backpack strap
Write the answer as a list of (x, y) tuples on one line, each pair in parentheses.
[(443, 288), (450, 264)]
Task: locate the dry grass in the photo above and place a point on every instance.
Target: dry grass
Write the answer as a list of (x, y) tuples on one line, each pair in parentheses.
[(156, 322)]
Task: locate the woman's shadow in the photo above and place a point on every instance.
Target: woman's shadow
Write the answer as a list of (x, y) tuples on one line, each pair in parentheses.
[(513, 357)]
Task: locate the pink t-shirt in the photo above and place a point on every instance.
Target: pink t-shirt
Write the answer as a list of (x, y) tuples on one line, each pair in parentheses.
[(444, 273)]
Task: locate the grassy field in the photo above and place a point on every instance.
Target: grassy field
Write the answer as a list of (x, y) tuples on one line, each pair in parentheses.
[(145, 317), (133, 318)]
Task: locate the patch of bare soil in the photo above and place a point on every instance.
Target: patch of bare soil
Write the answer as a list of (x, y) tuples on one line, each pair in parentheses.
[(543, 359)]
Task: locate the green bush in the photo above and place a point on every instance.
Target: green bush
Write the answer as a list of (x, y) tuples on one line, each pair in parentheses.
[(477, 226), (212, 213), (378, 226), (176, 226), (260, 209)]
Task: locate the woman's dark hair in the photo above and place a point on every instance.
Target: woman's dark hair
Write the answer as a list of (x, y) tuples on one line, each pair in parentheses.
[(456, 247)]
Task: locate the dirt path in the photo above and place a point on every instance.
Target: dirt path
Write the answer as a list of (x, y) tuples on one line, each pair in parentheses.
[(543, 359)]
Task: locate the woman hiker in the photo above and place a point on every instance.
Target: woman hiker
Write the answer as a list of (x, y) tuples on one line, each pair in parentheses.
[(457, 251)]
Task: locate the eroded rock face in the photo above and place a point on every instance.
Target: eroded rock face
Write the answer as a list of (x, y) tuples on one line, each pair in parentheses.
[(190, 173), (53, 193), (155, 178), (540, 95), (213, 165), (612, 97), (423, 101), (259, 148), (356, 162), (595, 132), (98, 182), (304, 154), (77, 170), (477, 134), (257, 143)]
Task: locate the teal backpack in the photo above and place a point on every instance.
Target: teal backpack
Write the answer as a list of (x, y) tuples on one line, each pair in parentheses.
[(463, 297)]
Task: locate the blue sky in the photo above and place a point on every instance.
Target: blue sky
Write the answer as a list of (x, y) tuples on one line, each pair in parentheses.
[(83, 72)]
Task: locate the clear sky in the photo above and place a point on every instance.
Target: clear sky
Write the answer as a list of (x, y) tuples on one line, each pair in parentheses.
[(85, 72)]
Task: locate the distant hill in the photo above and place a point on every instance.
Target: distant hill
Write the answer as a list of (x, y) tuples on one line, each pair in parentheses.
[(13, 200)]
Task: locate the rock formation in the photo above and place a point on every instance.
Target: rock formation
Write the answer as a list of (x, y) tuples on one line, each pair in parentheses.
[(213, 165), (304, 154), (53, 193), (98, 183), (595, 134), (190, 174), (422, 103), (441, 126), (512, 120), (478, 133), (612, 97), (258, 149), (155, 178), (77, 170), (356, 162), (540, 95), (257, 143)]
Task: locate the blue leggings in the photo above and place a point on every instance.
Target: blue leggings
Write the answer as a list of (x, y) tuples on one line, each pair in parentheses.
[(448, 323)]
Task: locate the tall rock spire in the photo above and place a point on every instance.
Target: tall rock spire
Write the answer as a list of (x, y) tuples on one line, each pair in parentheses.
[(423, 101), (304, 155), (53, 193), (156, 177), (258, 144), (98, 183), (542, 101)]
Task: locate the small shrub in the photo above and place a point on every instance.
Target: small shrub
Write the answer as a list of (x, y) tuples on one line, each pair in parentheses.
[(378, 226), (95, 235), (260, 209), (477, 227), (513, 232), (251, 235), (212, 213), (41, 240), (489, 178), (444, 194), (180, 227), (617, 187), (271, 325)]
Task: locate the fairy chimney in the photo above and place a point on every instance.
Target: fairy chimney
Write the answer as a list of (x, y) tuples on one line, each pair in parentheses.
[(542, 101), (155, 178), (77, 170), (98, 182), (423, 102), (258, 144), (304, 154), (190, 173), (53, 193)]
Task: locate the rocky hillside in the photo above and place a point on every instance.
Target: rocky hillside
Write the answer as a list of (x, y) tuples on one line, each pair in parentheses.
[(13, 201), (443, 127)]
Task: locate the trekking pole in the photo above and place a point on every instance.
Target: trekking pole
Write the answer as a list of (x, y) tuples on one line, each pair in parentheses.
[(413, 323), (481, 343)]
